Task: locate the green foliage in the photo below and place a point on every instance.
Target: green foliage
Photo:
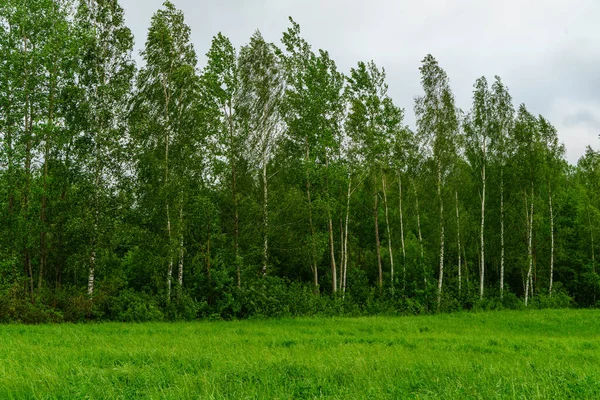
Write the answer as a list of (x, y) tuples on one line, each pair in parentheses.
[(182, 307), (13, 308), (268, 184), (132, 306)]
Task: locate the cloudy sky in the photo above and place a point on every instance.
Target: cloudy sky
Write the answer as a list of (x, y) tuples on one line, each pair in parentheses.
[(546, 51)]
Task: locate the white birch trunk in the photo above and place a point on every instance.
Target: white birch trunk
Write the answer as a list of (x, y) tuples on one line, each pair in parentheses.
[(377, 242), (419, 232), (442, 237), (332, 254), (90, 288), (387, 225), (92, 269), (167, 97), (265, 217), (345, 266), (170, 269), (482, 242), (341, 261), (402, 232), (501, 233), (330, 225), (458, 244), (529, 250), (551, 240), (180, 269)]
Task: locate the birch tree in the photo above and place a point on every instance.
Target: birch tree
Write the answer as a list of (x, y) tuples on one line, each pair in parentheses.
[(553, 169), (165, 103), (588, 183), (478, 130), (314, 107), (261, 91), (503, 123), (220, 80), (403, 152), (106, 74), (528, 157), (437, 123), (372, 121), (37, 56)]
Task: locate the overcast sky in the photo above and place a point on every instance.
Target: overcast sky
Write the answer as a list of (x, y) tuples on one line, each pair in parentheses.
[(546, 51)]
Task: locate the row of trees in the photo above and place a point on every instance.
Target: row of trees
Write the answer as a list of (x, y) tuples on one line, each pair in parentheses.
[(267, 180)]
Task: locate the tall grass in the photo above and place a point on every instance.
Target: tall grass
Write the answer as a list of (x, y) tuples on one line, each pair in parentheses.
[(538, 354)]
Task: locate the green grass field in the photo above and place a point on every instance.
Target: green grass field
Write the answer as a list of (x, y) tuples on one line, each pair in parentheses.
[(537, 354)]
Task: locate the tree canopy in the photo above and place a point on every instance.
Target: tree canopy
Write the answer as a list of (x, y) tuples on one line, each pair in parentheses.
[(268, 182)]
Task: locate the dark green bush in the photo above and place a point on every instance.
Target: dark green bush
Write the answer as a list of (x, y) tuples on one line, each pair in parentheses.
[(132, 306)]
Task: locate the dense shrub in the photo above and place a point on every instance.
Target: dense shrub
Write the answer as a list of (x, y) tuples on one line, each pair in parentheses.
[(261, 297), (131, 306)]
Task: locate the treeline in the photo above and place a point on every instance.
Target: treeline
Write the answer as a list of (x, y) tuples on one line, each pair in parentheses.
[(267, 182)]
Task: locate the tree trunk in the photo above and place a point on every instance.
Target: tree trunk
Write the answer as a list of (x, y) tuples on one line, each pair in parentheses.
[(458, 246), (529, 249), (43, 233), (481, 236), (27, 255), (170, 255), (387, 227), (11, 234), (402, 232), (236, 221), (166, 187), (551, 240), (28, 125), (170, 247), (330, 226), (345, 267), (265, 217), (97, 180), (92, 268), (377, 243), (341, 259), (419, 232), (332, 254), (501, 233), (181, 249), (442, 237)]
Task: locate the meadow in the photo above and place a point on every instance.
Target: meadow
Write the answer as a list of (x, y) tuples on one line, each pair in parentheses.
[(506, 354)]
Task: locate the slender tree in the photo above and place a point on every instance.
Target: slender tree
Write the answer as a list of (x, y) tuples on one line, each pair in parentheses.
[(528, 154), (166, 98), (313, 109), (261, 91), (437, 123), (106, 74), (479, 130), (221, 91), (503, 122), (553, 160), (372, 122)]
